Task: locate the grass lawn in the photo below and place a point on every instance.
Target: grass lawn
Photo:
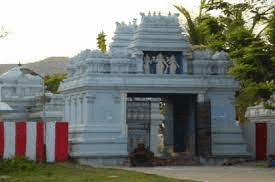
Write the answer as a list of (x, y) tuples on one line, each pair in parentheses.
[(72, 172)]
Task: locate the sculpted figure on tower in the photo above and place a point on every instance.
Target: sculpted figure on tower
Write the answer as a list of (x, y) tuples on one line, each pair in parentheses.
[(173, 65), (146, 64), (161, 64)]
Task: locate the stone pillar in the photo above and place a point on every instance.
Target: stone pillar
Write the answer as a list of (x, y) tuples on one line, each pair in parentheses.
[(156, 120), (75, 111), (85, 110), (81, 97), (67, 115), (124, 128), (88, 110), (79, 110), (192, 120), (73, 121), (169, 124)]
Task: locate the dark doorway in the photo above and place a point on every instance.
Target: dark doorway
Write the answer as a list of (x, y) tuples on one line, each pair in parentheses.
[(179, 124), (261, 141), (184, 122)]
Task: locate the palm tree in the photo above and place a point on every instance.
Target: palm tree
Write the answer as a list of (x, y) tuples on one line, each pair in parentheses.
[(191, 26), (195, 35)]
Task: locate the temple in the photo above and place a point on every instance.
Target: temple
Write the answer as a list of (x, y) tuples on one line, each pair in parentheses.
[(24, 94), (112, 100)]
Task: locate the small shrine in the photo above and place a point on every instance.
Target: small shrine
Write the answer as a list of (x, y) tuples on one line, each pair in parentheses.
[(24, 93), (260, 131)]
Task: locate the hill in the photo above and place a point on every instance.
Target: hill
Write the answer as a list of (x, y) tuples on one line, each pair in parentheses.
[(51, 65)]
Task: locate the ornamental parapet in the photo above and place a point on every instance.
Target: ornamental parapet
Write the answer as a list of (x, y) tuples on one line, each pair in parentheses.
[(156, 46), (257, 112)]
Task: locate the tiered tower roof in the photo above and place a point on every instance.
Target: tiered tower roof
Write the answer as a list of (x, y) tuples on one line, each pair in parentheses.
[(121, 40), (159, 33)]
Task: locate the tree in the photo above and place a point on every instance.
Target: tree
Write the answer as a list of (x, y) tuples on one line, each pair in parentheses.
[(192, 27), (52, 82), (101, 42), (252, 52), (204, 31)]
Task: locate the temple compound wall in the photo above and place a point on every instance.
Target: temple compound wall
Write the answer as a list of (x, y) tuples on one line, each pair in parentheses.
[(151, 60)]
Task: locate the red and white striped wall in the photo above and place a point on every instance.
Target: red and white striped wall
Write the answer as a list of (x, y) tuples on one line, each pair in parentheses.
[(29, 139), (57, 141)]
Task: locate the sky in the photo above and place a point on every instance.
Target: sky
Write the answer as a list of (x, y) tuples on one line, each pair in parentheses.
[(45, 28)]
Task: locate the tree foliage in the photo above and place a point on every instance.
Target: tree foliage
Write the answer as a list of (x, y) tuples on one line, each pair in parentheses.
[(101, 42), (246, 30), (52, 82)]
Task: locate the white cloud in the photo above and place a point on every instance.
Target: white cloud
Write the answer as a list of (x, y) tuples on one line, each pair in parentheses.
[(44, 28)]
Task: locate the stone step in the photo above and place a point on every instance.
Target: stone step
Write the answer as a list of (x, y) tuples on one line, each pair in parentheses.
[(170, 162)]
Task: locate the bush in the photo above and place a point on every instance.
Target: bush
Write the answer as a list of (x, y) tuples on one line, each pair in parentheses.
[(17, 164)]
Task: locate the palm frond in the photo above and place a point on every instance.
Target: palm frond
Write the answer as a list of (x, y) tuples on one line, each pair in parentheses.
[(191, 26)]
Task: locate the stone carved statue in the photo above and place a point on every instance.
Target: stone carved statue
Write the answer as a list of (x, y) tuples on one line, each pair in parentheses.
[(173, 64), (146, 65), (161, 64)]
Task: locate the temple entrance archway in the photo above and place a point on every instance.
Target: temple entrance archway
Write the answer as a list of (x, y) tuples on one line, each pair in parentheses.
[(178, 116), (155, 61)]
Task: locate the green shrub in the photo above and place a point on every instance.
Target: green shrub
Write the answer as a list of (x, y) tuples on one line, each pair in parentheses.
[(17, 164)]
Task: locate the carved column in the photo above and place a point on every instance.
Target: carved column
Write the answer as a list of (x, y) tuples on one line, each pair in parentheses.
[(85, 110), (156, 120), (88, 110), (67, 115), (169, 124), (81, 109), (124, 128), (73, 111), (78, 110)]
